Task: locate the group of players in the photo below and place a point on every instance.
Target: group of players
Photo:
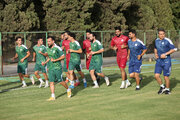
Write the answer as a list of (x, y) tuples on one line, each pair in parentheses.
[(127, 48)]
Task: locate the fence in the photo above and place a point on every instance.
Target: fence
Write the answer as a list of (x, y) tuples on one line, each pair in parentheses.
[(7, 42)]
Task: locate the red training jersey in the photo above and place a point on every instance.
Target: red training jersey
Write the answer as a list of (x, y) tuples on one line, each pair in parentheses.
[(65, 43), (118, 42)]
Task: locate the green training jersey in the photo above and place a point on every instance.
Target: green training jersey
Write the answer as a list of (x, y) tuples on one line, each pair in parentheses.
[(39, 57), (75, 46), (54, 53), (60, 44), (22, 52), (96, 46)]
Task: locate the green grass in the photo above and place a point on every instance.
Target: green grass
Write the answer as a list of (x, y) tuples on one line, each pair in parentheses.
[(105, 103)]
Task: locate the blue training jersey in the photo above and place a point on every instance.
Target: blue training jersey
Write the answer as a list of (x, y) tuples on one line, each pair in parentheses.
[(136, 48), (164, 46)]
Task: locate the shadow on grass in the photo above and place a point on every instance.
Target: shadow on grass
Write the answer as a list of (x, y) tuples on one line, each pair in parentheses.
[(173, 83)]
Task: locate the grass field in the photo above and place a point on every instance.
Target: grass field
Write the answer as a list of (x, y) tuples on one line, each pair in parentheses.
[(105, 103)]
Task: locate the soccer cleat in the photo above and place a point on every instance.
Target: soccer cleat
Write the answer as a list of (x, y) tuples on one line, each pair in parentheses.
[(137, 89), (122, 86), (85, 84), (95, 86), (71, 86), (77, 84), (46, 86), (67, 81), (41, 84), (167, 92), (161, 90), (69, 93), (107, 81), (51, 99), (127, 84), (23, 86), (32, 80)]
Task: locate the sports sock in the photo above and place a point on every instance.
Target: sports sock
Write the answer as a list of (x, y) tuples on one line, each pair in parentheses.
[(123, 82), (72, 82), (77, 80), (167, 89), (40, 79), (84, 80), (127, 81), (137, 86), (95, 83), (53, 95), (46, 82), (105, 77), (23, 82), (162, 86)]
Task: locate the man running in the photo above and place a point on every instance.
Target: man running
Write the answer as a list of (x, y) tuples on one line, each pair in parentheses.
[(39, 55), (135, 52), (22, 53), (163, 48), (55, 55), (119, 44), (96, 61)]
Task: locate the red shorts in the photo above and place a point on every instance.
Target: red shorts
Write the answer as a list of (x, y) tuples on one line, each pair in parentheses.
[(88, 61), (121, 61), (67, 60)]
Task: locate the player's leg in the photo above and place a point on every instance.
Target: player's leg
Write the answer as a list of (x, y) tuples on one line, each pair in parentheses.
[(137, 81), (36, 73), (166, 73), (21, 73), (71, 79), (24, 69), (44, 71), (52, 77), (158, 71), (79, 69), (66, 72), (137, 70), (93, 77)]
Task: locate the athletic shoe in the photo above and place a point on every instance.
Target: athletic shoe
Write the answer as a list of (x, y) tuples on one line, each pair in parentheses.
[(161, 90), (77, 84), (23, 86), (85, 84), (32, 80), (167, 92), (127, 84), (71, 86), (122, 86), (137, 89), (41, 84), (69, 93), (51, 99), (46, 86), (95, 86), (107, 81)]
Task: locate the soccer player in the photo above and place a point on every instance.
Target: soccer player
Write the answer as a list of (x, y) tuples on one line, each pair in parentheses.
[(135, 52), (119, 43), (96, 61), (163, 48), (87, 50), (39, 55), (75, 60), (55, 55), (22, 53)]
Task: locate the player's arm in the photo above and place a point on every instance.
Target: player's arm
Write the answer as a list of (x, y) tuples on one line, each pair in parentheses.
[(113, 46), (28, 54), (44, 54), (47, 60), (75, 51), (16, 56), (156, 53), (34, 56), (58, 59), (97, 52), (128, 54), (143, 52), (124, 46)]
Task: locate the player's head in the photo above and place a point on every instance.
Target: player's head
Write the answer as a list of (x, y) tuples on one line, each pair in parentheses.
[(88, 32), (66, 34), (62, 36), (92, 36), (132, 33), (71, 36), (50, 41), (19, 40), (118, 31), (40, 41), (161, 33)]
